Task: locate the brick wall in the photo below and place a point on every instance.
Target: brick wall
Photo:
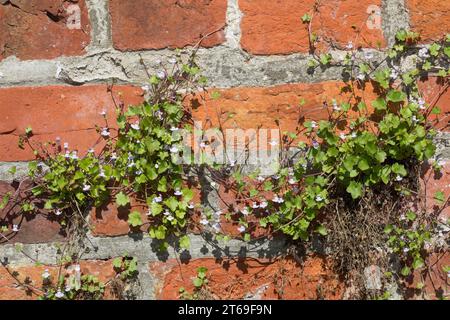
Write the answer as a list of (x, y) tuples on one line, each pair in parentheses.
[(58, 56)]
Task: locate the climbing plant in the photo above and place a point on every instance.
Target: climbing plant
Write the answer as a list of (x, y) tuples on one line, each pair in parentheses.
[(350, 184)]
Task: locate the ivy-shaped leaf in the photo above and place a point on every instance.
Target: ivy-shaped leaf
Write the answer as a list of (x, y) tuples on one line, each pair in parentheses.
[(396, 96), (122, 199), (185, 242), (379, 104), (355, 189), (134, 219), (440, 197)]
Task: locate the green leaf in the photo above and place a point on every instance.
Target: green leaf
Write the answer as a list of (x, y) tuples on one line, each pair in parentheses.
[(134, 219), (12, 170), (442, 73), (388, 229), (385, 174), (427, 66), (447, 51), (322, 230), (215, 95), (162, 184), (117, 263), (349, 162), (436, 111), (28, 131), (80, 196), (401, 35), (151, 173), (201, 272), (362, 106), (411, 216), (363, 165), (355, 189), (185, 242), (155, 208), (382, 77), (122, 199), (440, 197), (418, 263), (158, 232), (132, 267), (151, 145), (61, 182), (5, 200), (27, 207), (399, 169), (171, 203), (346, 106), (306, 18), (188, 194), (325, 58), (197, 282), (434, 49), (268, 185), (48, 205), (154, 80), (396, 96), (380, 156), (379, 104), (406, 271)]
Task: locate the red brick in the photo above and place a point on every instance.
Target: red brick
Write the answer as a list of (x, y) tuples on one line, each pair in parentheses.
[(275, 27), (431, 18), (157, 24), (436, 93), (435, 280), (110, 220), (42, 29), (431, 183), (229, 203), (70, 113), (33, 228), (234, 279), (10, 291), (254, 107)]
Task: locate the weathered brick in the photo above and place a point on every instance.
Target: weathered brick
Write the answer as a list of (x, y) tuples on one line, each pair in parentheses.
[(254, 107), (43, 29), (228, 203), (157, 24), (70, 113), (279, 106), (250, 278), (436, 93), (434, 279), (431, 18), (432, 182), (110, 220), (9, 289), (33, 228), (275, 27)]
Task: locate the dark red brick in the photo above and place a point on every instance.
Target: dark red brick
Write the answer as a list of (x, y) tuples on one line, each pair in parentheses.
[(39, 227), (43, 29)]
